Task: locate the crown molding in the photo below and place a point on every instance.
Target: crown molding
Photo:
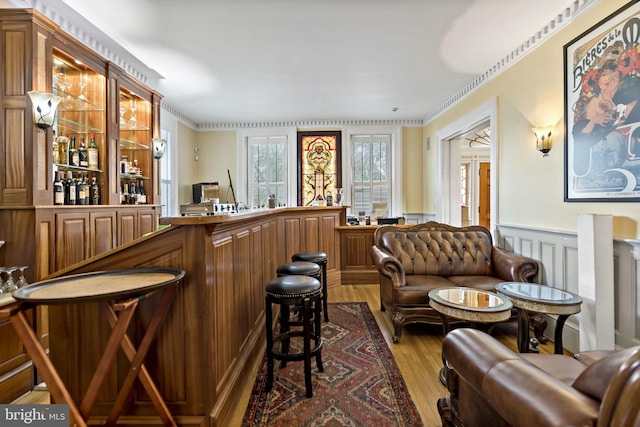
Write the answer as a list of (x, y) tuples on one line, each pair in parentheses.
[(562, 19), (310, 124), (88, 34)]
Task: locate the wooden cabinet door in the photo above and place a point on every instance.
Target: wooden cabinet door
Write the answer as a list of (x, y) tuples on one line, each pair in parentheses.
[(103, 231), (72, 238), (146, 221), (127, 226)]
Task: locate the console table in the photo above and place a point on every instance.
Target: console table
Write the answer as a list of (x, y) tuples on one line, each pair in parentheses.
[(118, 294)]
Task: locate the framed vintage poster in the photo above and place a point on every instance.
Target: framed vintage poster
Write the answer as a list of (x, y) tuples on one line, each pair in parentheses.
[(318, 167), (602, 110)]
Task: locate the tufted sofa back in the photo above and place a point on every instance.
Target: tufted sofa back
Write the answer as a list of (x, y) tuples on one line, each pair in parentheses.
[(438, 249)]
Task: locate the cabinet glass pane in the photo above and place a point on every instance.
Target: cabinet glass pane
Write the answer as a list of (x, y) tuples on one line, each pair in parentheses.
[(79, 147)]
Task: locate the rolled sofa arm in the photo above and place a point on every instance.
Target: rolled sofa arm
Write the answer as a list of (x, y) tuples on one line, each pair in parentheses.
[(519, 392), (512, 267), (388, 265)]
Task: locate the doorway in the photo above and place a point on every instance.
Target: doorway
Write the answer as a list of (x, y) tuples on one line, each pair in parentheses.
[(449, 157)]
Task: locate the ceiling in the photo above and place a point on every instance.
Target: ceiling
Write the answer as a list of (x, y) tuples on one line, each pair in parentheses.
[(271, 61)]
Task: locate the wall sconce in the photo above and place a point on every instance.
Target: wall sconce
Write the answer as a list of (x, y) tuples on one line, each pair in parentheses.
[(44, 108), (159, 146), (543, 143)]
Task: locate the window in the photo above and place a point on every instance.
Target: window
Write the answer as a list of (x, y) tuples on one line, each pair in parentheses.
[(371, 176), (169, 167), (267, 170)]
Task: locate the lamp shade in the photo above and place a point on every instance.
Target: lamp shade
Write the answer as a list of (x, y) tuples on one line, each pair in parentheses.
[(44, 108), (543, 136), (158, 147)]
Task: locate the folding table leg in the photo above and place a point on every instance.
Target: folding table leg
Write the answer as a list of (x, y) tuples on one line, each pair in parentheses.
[(137, 357), (57, 390), (118, 331)]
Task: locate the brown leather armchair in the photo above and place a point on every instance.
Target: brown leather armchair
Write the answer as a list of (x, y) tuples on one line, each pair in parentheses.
[(412, 261), (491, 385)]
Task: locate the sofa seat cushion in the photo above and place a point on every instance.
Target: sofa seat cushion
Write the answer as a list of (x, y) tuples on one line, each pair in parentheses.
[(564, 368), (416, 289), (486, 283)]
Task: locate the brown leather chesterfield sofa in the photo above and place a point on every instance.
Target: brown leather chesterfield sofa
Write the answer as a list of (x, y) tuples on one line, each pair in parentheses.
[(413, 260), (490, 385)]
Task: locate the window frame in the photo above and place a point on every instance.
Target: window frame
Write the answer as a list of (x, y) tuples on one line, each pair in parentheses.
[(395, 208)]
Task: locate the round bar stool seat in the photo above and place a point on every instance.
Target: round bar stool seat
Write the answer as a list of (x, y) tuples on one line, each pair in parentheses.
[(319, 258), (300, 268), (306, 292)]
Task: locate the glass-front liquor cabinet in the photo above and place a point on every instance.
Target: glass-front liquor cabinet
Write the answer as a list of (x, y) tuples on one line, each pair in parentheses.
[(135, 147), (79, 132)]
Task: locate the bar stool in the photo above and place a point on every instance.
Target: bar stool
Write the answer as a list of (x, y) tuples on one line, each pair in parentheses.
[(319, 258), (306, 292), (296, 268)]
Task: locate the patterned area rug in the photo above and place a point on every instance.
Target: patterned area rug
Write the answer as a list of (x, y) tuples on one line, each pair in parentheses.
[(361, 384)]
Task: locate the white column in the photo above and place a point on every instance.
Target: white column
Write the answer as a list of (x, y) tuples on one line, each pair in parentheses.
[(595, 282)]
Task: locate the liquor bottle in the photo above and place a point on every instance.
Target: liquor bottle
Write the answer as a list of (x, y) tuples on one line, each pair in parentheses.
[(86, 190), (63, 150), (79, 191), (133, 194), (95, 192), (125, 194), (142, 196), (83, 155), (70, 190), (74, 159), (93, 152), (122, 193), (58, 190)]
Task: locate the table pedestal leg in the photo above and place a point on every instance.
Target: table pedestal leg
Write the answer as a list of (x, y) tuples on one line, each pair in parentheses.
[(557, 336), (445, 329), (523, 331)]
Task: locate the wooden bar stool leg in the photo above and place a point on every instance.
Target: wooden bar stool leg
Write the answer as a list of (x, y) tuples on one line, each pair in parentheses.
[(317, 308), (139, 356), (269, 326), (57, 390), (307, 346)]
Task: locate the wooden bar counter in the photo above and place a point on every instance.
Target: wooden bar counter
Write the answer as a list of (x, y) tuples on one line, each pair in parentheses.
[(214, 328)]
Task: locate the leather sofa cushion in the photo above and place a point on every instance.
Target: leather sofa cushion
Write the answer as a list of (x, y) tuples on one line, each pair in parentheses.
[(417, 288), (440, 253), (595, 379), (564, 368), (486, 283)]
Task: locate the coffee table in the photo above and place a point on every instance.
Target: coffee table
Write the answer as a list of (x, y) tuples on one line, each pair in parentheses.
[(536, 298), (468, 304)]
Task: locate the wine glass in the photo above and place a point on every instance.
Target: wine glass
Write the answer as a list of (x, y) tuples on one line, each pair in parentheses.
[(9, 284), (83, 85), (3, 270), (132, 105), (22, 282)]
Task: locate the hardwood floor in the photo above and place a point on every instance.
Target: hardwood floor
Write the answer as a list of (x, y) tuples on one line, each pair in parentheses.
[(418, 355)]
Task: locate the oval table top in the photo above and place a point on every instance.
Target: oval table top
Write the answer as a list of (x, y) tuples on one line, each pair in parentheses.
[(98, 286)]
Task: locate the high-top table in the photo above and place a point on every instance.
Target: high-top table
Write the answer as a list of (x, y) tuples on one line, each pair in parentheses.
[(535, 298), (118, 294)]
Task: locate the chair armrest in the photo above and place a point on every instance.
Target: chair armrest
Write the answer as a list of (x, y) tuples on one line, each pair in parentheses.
[(388, 266), (519, 392), (512, 267)]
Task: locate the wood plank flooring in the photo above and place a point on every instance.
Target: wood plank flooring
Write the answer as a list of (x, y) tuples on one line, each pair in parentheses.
[(418, 355)]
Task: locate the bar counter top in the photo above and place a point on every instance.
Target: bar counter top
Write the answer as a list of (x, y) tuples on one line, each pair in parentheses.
[(244, 215)]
